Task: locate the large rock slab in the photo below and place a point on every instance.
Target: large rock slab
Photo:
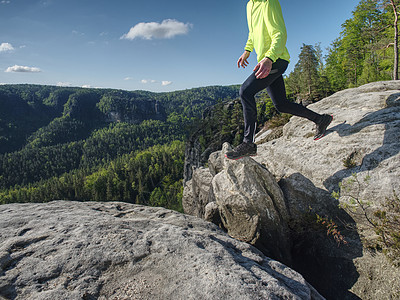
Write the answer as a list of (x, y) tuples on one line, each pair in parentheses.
[(365, 133), (73, 250), (362, 142)]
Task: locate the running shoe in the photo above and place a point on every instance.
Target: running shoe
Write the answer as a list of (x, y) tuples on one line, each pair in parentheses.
[(243, 150), (322, 125)]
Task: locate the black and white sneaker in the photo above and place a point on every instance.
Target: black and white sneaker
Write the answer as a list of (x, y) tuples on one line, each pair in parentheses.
[(322, 125), (243, 150)]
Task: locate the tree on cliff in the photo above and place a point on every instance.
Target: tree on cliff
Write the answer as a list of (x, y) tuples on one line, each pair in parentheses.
[(394, 6), (361, 53), (304, 80)]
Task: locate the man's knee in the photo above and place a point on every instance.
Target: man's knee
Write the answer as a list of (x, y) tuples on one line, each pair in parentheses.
[(280, 108), (285, 107), (242, 91), (245, 92)]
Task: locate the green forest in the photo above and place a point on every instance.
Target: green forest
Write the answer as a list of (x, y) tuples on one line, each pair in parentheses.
[(112, 145), (365, 51), (97, 144)]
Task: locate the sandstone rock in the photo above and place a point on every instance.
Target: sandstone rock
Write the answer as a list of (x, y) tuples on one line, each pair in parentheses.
[(363, 139), (244, 198), (197, 192), (126, 110), (266, 135), (72, 250), (211, 213), (251, 204), (364, 131), (216, 162)]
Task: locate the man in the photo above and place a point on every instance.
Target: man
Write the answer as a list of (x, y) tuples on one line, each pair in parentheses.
[(267, 36)]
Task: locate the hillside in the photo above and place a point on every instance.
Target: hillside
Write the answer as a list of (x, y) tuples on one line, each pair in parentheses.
[(89, 144), (25, 109)]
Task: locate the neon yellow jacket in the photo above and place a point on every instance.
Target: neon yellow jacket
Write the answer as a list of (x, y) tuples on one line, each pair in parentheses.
[(267, 30)]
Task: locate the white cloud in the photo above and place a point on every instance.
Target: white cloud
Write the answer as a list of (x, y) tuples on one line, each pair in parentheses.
[(145, 81), (128, 78), (22, 69), (164, 30), (6, 47), (165, 82), (87, 86), (5, 2)]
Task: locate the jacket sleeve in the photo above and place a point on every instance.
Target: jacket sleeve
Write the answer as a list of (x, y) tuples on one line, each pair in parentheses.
[(249, 44), (276, 30)]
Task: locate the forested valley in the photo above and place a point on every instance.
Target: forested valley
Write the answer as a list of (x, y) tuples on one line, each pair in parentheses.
[(113, 145), (94, 144)]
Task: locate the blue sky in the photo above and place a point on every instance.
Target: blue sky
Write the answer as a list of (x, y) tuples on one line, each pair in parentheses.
[(146, 45)]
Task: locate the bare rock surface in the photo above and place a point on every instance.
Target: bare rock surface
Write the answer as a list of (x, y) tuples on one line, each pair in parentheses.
[(362, 143), (73, 250), (197, 194), (365, 133), (360, 150), (362, 146), (244, 198)]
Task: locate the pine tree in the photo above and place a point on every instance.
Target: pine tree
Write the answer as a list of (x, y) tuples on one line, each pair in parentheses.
[(307, 68), (394, 6)]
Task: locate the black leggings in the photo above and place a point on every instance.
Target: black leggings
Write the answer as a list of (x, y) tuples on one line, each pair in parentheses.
[(276, 90)]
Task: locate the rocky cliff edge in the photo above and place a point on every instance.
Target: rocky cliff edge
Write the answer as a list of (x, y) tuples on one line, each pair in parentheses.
[(75, 250), (359, 159)]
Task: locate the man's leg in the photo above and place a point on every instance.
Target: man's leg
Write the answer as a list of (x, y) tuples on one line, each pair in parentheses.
[(276, 91), (247, 92)]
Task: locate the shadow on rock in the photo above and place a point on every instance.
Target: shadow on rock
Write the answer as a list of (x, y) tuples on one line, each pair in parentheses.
[(276, 269), (390, 118), (323, 259)]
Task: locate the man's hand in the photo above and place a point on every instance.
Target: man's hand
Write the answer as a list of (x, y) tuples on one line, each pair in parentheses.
[(242, 61), (263, 68)]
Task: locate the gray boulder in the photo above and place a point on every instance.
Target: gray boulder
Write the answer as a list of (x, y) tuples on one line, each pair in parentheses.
[(244, 198), (72, 250), (197, 193), (250, 203)]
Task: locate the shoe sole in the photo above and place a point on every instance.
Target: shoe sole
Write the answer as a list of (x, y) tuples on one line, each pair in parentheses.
[(326, 127)]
